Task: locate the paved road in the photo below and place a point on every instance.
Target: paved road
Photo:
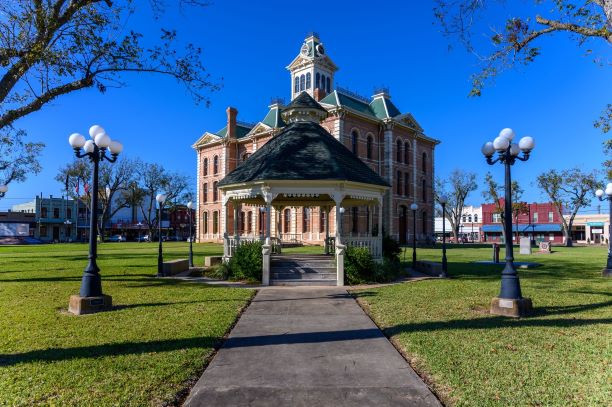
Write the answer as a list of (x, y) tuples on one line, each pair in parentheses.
[(308, 347)]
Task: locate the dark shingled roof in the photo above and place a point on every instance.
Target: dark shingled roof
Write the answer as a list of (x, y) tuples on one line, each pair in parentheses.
[(304, 100), (303, 151)]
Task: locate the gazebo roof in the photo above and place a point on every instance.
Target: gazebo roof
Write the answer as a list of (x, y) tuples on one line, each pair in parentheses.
[(303, 151)]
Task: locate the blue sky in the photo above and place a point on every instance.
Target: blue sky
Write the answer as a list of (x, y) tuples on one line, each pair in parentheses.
[(396, 44)]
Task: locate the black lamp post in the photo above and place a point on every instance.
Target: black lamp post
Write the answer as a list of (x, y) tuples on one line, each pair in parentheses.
[(160, 198), (414, 208), (3, 190), (510, 302), (189, 206), (96, 151), (607, 272), (443, 201)]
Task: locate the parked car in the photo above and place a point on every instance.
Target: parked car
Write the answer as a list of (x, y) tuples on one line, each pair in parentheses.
[(116, 238)]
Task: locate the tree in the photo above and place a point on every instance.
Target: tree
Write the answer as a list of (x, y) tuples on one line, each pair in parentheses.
[(114, 183), (17, 158), (568, 190), (517, 43), (54, 47), (456, 190), (493, 192)]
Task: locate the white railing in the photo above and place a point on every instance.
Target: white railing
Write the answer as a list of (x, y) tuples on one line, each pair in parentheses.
[(373, 244), (232, 242), (291, 238)]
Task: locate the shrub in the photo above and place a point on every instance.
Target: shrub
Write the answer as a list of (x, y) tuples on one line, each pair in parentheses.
[(246, 263), (387, 271), (391, 248), (358, 265), (220, 271)]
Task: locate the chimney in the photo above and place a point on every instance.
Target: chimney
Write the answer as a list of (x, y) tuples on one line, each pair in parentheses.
[(319, 94), (231, 122)]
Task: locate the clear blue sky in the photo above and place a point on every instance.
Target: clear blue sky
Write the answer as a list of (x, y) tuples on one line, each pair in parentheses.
[(397, 44)]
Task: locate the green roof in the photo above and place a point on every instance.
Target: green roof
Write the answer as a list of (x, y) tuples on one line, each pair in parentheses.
[(273, 118), (241, 131), (338, 98), (303, 151), (383, 108)]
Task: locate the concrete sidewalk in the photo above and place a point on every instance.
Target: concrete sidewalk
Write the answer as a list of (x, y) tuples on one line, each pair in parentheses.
[(308, 347)]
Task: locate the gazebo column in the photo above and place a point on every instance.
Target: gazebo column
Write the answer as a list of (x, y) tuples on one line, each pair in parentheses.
[(340, 248), (226, 242), (267, 246), (327, 214), (380, 223)]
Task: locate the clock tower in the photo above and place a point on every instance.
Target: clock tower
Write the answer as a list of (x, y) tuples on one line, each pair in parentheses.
[(312, 71)]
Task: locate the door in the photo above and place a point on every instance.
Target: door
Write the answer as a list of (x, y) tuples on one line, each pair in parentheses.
[(56, 233), (402, 224)]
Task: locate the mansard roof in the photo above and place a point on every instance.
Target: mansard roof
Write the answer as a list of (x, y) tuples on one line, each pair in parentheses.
[(383, 108), (303, 151), (273, 118), (242, 129)]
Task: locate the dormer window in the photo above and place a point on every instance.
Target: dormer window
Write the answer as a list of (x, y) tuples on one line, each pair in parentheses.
[(308, 80)]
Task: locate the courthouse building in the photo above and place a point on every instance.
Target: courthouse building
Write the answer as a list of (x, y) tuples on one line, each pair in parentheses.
[(388, 141)]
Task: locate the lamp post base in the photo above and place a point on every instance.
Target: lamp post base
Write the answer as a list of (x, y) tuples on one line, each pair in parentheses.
[(606, 272), (88, 305), (515, 308)]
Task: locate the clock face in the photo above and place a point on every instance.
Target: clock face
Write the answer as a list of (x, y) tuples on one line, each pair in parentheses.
[(320, 49), (304, 49)]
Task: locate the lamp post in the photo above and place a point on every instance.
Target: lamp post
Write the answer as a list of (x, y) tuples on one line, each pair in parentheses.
[(67, 224), (90, 298), (139, 224), (160, 198), (607, 272), (510, 302), (189, 206), (414, 208), (443, 201), (3, 190)]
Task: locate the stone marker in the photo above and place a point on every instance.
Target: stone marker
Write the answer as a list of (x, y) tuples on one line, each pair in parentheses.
[(545, 247), (525, 245)]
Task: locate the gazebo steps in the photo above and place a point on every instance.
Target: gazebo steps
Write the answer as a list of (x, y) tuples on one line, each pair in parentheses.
[(302, 269), (303, 282), (297, 275)]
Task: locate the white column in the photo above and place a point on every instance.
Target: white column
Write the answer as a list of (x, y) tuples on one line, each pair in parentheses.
[(327, 214), (340, 248), (226, 249)]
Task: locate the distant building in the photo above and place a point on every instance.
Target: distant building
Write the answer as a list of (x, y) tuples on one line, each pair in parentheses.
[(17, 224), (55, 219), (541, 223), (469, 225), (179, 221), (590, 228)]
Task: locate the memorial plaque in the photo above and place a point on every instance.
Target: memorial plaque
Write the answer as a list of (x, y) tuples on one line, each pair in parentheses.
[(545, 247), (505, 303), (525, 245), (96, 302)]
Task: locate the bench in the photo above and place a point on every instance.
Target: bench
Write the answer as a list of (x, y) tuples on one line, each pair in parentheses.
[(431, 268), (173, 267), (210, 261)]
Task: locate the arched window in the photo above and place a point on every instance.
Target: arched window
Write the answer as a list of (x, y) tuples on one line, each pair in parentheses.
[(354, 141), (205, 222), (216, 164), (424, 191), (369, 147), (424, 163), (306, 219), (399, 183), (262, 218), (296, 85), (241, 222), (398, 152), (463, 219), (322, 82), (355, 219), (322, 216), (407, 153), (215, 222), (205, 192), (302, 83), (425, 223), (249, 221), (328, 83), (469, 218), (317, 81), (287, 220), (407, 184), (215, 191), (476, 217), (308, 78), (205, 166)]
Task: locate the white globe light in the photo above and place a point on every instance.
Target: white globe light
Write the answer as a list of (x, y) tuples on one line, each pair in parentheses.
[(160, 198), (89, 146), (609, 186), (189, 205), (76, 140), (108, 191), (442, 199), (501, 143), (527, 143), (102, 140), (341, 210), (95, 130), (599, 193), (609, 191), (507, 134), (488, 149), (414, 207), (514, 149), (3, 188), (115, 147)]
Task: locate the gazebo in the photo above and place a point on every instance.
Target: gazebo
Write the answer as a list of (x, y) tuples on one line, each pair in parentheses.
[(305, 166)]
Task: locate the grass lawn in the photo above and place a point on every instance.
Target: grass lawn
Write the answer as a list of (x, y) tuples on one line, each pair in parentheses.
[(143, 353), (561, 356)]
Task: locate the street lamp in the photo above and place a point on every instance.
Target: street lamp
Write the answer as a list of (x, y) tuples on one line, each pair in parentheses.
[(443, 201), (67, 224), (607, 272), (160, 198), (414, 208), (3, 190), (189, 206), (139, 224), (510, 302), (90, 298)]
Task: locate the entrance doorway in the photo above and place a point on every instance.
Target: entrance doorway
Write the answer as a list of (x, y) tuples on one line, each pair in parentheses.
[(56, 233), (403, 221)]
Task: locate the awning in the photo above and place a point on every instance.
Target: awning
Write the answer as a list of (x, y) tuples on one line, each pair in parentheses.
[(534, 228), (596, 224)]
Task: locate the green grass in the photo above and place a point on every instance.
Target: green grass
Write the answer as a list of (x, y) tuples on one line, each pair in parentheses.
[(560, 356), (143, 353)]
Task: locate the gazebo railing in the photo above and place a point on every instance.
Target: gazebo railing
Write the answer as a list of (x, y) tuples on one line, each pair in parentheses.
[(232, 243), (293, 238), (373, 244)]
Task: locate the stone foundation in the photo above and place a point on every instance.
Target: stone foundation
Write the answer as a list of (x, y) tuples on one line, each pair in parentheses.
[(511, 308), (88, 305)]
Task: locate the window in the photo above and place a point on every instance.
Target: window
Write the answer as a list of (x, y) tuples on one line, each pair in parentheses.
[(398, 152), (398, 183), (476, 218), (407, 153), (550, 217), (551, 237), (469, 218), (302, 83), (249, 221), (262, 219), (322, 216), (43, 213), (56, 213), (205, 221), (424, 191), (463, 218), (354, 141), (69, 213), (216, 164), (317, 81), (205, 166), (296, 85), (355, 219), (308, 79), (215, 191), (306, 219), (43, 230), (328, 82), (369, 147), (322, 82), (424, 163), (205, 192), (241, 222), (496, 218), (216, 222), (535, 217), (287, 220), (424, 227), (406, 184), (368, 226)]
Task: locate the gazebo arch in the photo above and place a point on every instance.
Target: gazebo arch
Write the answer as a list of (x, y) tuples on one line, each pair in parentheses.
[(305, 166)]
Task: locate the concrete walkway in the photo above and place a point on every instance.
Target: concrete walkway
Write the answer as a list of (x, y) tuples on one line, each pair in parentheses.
[(308, 347)]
